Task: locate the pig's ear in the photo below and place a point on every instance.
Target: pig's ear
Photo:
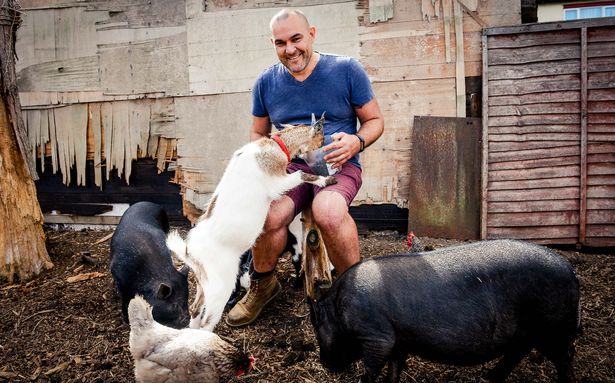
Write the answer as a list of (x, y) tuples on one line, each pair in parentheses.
[(164, 291), (184, 270)]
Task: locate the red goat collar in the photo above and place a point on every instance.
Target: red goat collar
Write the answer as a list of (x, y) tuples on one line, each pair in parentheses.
[(277, 139)]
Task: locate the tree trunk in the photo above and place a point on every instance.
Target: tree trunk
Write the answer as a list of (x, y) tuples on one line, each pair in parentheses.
[(22, 240)]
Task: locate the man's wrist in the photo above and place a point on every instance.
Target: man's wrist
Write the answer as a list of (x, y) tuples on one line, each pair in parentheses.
[(361, 142)]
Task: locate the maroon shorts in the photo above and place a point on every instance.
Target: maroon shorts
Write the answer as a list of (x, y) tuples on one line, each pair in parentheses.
[(348, 185)]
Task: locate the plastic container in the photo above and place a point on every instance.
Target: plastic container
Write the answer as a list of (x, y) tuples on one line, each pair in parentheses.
[(316, 162)]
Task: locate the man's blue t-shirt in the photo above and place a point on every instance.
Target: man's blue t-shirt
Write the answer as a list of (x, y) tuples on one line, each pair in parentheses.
[(337, 85)]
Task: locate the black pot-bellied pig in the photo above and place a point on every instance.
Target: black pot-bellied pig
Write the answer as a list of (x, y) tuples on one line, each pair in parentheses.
[(460, 305), (141, 264)]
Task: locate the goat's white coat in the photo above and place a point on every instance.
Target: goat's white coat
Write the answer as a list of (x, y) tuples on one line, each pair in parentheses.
[(242, 198)]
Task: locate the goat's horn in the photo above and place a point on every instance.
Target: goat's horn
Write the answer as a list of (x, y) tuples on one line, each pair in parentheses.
[(313, 119)]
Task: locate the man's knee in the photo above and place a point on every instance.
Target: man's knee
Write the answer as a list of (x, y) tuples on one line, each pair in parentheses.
[(330, 210), (280, 215)]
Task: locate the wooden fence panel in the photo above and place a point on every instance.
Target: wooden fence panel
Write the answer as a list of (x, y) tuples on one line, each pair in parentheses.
[(548, 165)]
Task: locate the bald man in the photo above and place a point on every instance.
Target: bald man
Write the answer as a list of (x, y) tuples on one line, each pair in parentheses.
[(303, 83)]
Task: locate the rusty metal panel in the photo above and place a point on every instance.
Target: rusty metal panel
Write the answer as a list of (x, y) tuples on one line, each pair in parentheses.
[(444, 198)]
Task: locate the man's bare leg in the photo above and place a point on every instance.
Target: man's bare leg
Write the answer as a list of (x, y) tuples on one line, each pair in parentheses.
[(263, 284), (338, 229)]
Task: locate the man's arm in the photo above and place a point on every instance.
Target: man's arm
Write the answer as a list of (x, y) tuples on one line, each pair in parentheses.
[(261, 127), (348, 145), (372, 122)]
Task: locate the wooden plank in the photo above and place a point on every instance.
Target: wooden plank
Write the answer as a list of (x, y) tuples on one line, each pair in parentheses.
[(601, 80), (95, 125), (33, 127), (380, 10), (599, 128), (162, 119), (460, 82), (408, 71), (533, 194), (414, 50), (540, 39), (600, 242), (53, 141), (447, 12), (551, 108), (534, 174), (601, 118), (75, 31), (485, 140), (602, 147), (602, 179), (157, 65), (534, 183), (601, 216), (63, 131), (534, 85), (534, 129), (601, 191), (74, 74), (606, 231), (534, 206), (601, 137), (524, 137), (601, 49), (601, 168), (558, 26), (600, 203), (534, 154), (530, 233), (537, 163), (601, 94), (537, 219), (506, 56), (536, 69), (82, 220), (537, 98), (601, 107), (524, 146), (213, 65), (539, 120), (605, 33), (600, 64), (106, 117), (79, 114)]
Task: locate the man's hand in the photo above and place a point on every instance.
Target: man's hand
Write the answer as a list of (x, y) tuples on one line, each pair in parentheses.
[(344, 147)]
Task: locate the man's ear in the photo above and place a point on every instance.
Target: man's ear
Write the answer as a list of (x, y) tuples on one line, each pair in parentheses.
[(312, 32)]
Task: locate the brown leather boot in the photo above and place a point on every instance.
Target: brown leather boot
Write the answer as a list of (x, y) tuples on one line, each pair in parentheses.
[(261, 292)]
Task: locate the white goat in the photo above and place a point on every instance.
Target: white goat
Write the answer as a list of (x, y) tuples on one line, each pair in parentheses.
[(236, 213)]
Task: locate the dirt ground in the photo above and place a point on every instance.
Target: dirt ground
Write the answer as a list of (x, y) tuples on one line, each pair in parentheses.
[(53, 330)]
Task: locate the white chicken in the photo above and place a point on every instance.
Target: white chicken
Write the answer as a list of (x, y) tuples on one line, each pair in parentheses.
[(164, 354)]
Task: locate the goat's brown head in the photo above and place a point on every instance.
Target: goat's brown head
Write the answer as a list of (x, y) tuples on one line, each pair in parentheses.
[(301, 139)]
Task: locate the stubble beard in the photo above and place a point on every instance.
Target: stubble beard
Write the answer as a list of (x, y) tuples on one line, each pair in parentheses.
[(303, 65)]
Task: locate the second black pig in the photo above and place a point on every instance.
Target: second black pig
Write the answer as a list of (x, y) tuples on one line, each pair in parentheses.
[(461, 305), (141, 264)]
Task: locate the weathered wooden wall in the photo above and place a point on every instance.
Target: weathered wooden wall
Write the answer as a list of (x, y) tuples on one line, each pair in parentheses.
[(108, 70), (549, 133)]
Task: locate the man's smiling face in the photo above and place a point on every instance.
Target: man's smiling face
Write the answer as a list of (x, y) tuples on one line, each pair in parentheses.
[(293, 39)]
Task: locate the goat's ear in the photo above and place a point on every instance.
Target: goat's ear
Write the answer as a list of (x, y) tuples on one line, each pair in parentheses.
[(164, 291)]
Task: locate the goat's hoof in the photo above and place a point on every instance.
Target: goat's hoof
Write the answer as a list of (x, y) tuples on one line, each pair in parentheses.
[(330, 180)]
